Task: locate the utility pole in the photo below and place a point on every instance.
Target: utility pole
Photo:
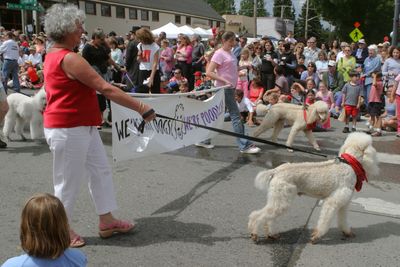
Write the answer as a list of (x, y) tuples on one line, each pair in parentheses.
[(255, 18), (395, 22), (306, 22), (283, 9)]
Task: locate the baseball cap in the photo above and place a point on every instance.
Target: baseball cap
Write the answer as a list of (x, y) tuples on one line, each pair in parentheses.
[(331, 63), (361, 41), (197, 73)]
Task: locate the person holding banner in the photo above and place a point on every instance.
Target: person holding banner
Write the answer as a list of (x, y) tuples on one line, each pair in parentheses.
[(223, 69), (70, 120)]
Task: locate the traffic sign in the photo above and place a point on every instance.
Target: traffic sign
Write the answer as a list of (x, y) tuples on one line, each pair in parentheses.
[(36, 7), (356, 35), (14, 6), (356, 24)]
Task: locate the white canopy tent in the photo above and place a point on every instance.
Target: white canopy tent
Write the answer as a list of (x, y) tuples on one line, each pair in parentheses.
[(185, 29), (170, 29), (202, 32)]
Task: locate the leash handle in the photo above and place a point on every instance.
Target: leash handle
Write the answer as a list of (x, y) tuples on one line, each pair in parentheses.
[(145, 115)]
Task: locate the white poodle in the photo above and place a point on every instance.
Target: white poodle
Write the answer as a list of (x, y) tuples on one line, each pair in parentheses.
[(333, 181), (24, 109), (301, 120)]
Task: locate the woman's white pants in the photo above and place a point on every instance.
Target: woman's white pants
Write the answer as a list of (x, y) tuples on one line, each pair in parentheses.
[(78, 153)]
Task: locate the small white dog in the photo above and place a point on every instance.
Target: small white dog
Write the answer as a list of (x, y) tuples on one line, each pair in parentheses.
[(333, 181), (297, 116), (24, 109)]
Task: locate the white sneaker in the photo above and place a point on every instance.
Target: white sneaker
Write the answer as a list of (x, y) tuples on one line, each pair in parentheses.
[(251, 150), (209, 146)]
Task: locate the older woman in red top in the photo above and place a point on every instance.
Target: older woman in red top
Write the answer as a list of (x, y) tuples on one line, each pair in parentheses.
[(70, 120)]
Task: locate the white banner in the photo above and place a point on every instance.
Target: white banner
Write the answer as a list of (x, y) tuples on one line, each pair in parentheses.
[(162, 135)]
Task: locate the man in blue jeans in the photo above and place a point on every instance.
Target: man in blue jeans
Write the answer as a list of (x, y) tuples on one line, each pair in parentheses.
[(10, 51)]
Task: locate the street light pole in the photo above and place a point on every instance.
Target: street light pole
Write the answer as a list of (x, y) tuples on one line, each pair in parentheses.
[(255, 18), (395, 22)]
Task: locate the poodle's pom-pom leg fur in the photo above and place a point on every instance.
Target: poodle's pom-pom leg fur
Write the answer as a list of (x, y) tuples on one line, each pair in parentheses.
[(36, 126), (267, 123), (279, 199), (332, 204), (292, 134), (312, 140), (252, 224), (342, 222), (9, 123), (277, 129), (19, 127)]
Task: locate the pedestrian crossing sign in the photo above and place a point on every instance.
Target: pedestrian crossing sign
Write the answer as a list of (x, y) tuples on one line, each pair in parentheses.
[(356, 35)]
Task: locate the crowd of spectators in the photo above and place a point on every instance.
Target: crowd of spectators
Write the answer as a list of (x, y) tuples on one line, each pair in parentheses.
[(141, 62)]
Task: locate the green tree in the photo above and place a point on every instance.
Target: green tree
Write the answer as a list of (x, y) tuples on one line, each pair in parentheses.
[(223, 6), (247, 8), (314, 27), (286, 6), (375, 17)]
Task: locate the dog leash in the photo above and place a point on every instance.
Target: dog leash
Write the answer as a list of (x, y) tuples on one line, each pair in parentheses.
[(255, 139)]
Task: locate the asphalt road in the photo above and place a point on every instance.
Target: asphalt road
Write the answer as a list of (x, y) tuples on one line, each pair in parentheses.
[(191, 207)]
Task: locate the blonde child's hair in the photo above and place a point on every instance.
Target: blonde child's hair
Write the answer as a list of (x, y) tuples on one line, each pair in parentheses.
[(274, 96), (44, 231)]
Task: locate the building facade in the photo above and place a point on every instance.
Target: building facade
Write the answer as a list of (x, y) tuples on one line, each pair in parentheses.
[(270, 26), (121, 15)]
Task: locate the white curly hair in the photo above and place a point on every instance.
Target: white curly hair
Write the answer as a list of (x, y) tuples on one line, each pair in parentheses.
[(62, 19)]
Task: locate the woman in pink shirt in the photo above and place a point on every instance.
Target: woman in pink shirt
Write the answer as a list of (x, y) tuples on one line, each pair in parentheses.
[(224, 71), (183, 58), (166, 59)]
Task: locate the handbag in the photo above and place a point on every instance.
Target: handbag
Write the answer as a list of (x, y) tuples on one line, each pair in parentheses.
[(342, 116)]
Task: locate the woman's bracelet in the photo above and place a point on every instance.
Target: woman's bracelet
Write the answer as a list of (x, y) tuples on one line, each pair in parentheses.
[(141, 106)]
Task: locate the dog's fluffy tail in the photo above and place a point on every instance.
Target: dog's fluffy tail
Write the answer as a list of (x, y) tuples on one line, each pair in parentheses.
[(262, 179)]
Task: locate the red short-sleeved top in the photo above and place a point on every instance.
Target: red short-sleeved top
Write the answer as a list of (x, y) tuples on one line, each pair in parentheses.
[(70, 103)]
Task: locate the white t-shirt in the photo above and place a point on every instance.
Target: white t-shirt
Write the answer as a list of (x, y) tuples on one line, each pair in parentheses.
[(35, 59), (10, 50), (148, 52), (245, 105), (23, 59)]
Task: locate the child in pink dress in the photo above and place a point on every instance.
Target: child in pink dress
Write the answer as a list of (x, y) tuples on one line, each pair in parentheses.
[(325, 95), (243, 75)]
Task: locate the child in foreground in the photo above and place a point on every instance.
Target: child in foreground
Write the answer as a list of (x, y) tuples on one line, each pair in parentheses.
[(44, 236)]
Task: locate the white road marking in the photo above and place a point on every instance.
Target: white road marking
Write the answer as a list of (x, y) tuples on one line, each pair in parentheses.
[(378, 205), (389, 158)]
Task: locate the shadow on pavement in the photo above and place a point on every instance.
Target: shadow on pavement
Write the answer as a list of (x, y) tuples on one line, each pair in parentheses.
[(31, 147), (154, 230), (203, 187)]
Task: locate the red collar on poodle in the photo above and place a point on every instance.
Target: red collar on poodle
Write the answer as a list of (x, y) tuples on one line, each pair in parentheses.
[(358, 169)]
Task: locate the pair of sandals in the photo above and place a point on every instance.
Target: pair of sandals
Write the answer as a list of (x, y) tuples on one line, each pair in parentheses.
[(106, 230)]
